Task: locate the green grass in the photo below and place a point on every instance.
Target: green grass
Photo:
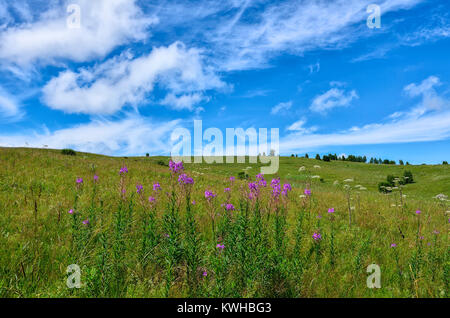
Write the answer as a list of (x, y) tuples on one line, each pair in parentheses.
[(269, 250)]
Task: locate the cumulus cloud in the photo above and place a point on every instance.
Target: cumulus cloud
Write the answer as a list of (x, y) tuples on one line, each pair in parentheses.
[(430, 100), (281, 108), (124, 80), (132, 135), (335, 97), (105, 24)]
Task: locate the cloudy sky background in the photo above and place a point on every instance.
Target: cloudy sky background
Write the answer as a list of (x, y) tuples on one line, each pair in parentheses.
[(136, 70)]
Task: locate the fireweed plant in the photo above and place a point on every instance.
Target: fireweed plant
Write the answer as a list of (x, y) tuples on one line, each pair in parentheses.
[(155, 231)]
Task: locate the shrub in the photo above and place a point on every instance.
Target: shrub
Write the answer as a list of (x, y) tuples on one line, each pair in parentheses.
[(383, 187), (390, 180), (408, 176), (242, 175), (147, 154), (68, 152), (162, 163), (444, 162)]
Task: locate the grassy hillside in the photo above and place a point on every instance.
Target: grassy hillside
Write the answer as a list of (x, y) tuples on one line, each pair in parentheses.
[(171, 247)]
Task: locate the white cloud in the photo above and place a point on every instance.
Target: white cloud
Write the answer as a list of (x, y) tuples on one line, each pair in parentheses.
[(299, 128), (281, 108), (105, 24), (185, 101), (294, 27), (122, 80), (430, 100), (334, 97), (427, 121), (132, 135), (427, 128), (9, 107)]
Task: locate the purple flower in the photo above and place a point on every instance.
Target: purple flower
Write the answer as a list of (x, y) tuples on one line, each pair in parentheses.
[(193, 202), (123, 170), (175, 167), (70, 211), (286, 188), (229, 207), (232, 179), (79, 180), (221, 246), (317, 236), (209, 195), (436, 232), (252, 186), (421, 237), (307, 192), (227, 190), (151, 199), (275, 182), (139, 188), (184, 179), (276, 190), (95, 178), (393, 245), (156, 186), (262, 183), (418, 212), (205, 274), (167, 235), (86, 222), (331, 210)]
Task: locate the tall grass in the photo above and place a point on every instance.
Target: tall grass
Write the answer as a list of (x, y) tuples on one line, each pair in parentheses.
[(245, 241)]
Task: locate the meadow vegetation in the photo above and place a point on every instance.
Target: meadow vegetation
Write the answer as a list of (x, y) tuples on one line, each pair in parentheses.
[(145, 227)]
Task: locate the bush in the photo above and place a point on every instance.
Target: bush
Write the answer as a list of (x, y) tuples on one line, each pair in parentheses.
[(162, 163), (408, 177), (390, 180), (242, 175), (383, 187), (444, 162), (68, 152), (147, 154)]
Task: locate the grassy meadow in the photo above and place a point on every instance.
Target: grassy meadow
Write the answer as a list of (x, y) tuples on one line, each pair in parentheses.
[(313, 240)]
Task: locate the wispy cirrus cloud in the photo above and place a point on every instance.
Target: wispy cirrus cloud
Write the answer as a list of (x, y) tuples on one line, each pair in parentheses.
[(294, 27), (9, 107), (281, 108), (133, 135)]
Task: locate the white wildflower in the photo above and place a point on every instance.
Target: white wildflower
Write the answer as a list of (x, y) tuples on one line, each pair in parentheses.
[(441, 197)]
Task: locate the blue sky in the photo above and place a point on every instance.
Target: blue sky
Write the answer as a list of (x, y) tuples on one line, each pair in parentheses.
[(136, 70)]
